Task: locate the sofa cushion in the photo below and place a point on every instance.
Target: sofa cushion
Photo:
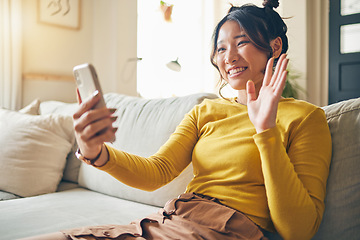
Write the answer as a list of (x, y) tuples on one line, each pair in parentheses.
[(144, 126), (33, 152), (71, 171), (342, 203), (32, 108), (7, 196), (53, 212)]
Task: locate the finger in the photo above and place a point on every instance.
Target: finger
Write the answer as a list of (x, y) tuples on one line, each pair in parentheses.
[(90, 117), (282, 69), (277, 72), (97, 128), (284, 64), (87, 105), (281, 84), (78, 97), (277, 69), (107, 136), (268, 71), (250, 90)]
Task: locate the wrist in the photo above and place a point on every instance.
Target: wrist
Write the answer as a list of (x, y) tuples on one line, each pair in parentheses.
[(103, 158), (260, 130), (97, 161)]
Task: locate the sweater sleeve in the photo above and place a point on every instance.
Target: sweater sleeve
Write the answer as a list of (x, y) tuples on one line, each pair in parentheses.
[(295, 175), (155, 171)]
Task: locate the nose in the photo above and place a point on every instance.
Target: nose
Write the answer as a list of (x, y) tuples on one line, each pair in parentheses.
[(231, 56)]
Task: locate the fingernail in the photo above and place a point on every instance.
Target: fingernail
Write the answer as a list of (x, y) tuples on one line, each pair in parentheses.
[(113, 119), (114, 130), (112, 110), (95, 93)]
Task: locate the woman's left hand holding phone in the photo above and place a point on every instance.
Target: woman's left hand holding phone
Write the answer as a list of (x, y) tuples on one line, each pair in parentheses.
[(92, 128)]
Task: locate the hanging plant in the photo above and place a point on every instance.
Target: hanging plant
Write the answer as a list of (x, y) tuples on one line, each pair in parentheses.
[(166, 9)]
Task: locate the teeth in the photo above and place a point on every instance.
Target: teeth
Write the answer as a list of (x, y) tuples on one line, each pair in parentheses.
[(236, 70)]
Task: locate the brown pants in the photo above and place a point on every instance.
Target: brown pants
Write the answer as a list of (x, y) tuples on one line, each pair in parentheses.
[(190, 216)]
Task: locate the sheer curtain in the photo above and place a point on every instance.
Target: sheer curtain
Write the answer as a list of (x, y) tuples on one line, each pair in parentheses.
[(10, 54)]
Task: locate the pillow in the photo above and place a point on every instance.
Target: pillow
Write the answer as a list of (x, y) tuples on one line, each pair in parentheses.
[(33, 151), (57, 107), (32, 108), (71, 172)]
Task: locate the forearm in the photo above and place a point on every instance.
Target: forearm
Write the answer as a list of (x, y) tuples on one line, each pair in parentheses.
[(295, 195), (155, 171), (148, 173)]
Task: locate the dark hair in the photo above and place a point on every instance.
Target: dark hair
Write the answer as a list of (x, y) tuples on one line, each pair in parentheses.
[(261, 25)]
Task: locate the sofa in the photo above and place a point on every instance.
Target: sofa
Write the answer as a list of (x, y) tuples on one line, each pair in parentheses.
[(44, 188)]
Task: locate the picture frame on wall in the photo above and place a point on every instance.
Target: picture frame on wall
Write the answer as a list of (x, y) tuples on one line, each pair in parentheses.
[(60, 13)]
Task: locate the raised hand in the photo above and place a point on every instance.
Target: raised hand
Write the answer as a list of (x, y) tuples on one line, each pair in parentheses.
[(262, 109), (93, 127)]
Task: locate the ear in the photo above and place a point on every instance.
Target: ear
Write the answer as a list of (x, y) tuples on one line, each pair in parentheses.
[(276, 46)]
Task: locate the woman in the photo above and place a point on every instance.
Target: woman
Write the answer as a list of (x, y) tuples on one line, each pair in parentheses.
[(260, 161)]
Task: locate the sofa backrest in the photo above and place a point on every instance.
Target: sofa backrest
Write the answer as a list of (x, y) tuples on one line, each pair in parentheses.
[(144, 126), (342, 203)]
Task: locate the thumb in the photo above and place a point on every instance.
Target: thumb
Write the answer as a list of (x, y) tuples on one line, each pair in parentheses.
[(250, 90)]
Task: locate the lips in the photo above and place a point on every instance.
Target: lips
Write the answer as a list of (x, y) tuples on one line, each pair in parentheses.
[(234, 71)]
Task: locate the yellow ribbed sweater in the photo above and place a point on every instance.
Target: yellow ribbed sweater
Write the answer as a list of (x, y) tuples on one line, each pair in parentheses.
[(277, 178)]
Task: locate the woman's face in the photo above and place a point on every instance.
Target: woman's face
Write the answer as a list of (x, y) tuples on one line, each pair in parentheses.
[(237, 58)]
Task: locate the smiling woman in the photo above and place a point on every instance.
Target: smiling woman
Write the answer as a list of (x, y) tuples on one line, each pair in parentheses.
[(260, 162), (260, 36)]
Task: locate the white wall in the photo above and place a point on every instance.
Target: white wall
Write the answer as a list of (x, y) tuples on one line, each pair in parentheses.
[(297, 35), (51, 49), (114, 44), (106, 38)]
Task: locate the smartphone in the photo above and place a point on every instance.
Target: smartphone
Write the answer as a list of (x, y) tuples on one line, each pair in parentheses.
[(87, 82)]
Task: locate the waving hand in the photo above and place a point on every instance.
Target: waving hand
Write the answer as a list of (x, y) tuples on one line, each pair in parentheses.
[(262, 109)]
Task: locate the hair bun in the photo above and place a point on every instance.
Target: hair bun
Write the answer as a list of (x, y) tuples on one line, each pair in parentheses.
[(271, 3)]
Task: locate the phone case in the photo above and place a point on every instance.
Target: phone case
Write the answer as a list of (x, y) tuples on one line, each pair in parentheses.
[(88, 82)]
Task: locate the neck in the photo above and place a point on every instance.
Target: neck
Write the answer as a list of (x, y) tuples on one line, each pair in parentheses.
[(242, 97)]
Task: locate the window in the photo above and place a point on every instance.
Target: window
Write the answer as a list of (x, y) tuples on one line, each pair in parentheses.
[(186, 38)]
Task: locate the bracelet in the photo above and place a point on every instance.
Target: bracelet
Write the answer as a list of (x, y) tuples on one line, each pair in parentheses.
[(91, 162)]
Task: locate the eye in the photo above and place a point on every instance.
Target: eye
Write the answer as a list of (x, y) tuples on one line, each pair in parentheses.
[(242, 43), (220, 49)]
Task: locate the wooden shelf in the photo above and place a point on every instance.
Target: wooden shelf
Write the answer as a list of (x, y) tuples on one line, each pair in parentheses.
[(47, 77)]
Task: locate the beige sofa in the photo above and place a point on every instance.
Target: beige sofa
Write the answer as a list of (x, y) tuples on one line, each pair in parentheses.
[(65, 193)]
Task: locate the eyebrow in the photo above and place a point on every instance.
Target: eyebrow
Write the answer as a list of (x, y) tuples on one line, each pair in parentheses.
[(236, 37)]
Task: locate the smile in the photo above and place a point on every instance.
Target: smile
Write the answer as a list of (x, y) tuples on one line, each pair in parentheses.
[(236, 70)]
